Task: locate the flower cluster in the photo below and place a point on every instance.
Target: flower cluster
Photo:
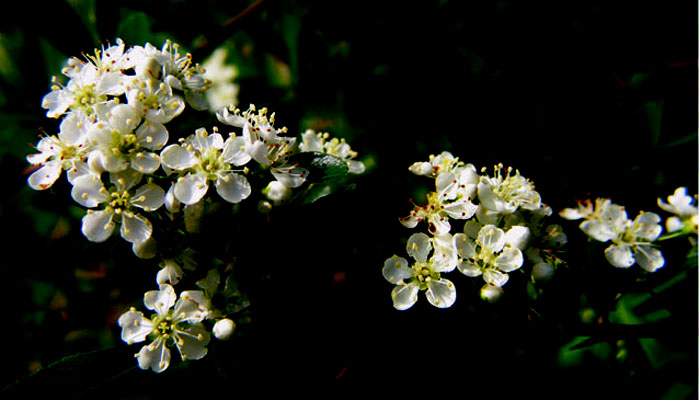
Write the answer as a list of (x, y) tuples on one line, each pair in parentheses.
[(634, 241), (130, 171), (504, 227)]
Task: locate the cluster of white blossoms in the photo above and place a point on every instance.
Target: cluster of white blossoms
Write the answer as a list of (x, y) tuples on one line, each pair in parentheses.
[(125, 164), (634, 241), (504, 226)]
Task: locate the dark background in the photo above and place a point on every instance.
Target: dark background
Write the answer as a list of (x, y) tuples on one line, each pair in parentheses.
[(588, 99)]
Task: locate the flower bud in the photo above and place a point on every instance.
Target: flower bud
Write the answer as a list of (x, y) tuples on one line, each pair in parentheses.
[(277, 192), (224, 328)]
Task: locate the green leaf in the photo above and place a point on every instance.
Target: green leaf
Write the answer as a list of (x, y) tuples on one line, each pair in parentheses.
[(327, 174), (135, 28), (653, 111), (76, 374)]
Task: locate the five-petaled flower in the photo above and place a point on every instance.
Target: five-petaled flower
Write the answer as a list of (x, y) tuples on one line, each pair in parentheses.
[(423, 274), (176, 321)]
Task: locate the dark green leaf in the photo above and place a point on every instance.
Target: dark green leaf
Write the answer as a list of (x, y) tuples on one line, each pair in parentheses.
[(327, 174), (76, 374)]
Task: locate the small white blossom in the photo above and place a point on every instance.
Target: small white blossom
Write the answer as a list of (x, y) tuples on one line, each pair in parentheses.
[(120, 204), (223, 92), (120, 141), (489, 255), (631, 241), (437, 213), (505, 194), (175, 322), (633, 244), (176, 70), (154, 100), (684, 208), (423, 275), (204, 158), (88, 91), (65, 151), (263, 143)]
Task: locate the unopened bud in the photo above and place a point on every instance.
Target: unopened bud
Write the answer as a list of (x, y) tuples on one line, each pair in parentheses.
[(224, 328)]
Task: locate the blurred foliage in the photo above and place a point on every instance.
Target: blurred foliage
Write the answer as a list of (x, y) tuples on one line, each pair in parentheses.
[(587, 99)]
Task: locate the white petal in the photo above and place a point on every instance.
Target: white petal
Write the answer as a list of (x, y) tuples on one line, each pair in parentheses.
[(518, 236), (79, 168), (192, 343), (233, 187), (419, 246), (145, 162), (491, 238), (170, 273), (441, 293), (396, 269), (495, 277), (135, 228), (619, 256), (469, 269), (146, 249), (171, 203), (258, 151), (177, 158), (125, 180), (599, 230), (647, 226), (465, 246), (234, 151), (149, 197), (155, 356), (290, 176), (404, 296), (134, 326), (97, 226), (460, 209), (509, 260), (191, 188), (152, 135), (57, 102), (46, 176), (161, 300), (649, 258)]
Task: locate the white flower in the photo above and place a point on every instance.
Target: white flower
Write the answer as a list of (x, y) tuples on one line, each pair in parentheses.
[(120, 203), (443, 162), (263, 143), (424, 274), (203, 158), (489, 255), (633, 244), (176, 321), (437, 213), (169, 66), (223, 92), (154, 100), (683, 206), (505, 194), (631, 241), (318, 142), (120, 142), (88, 90), (66, 151)]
